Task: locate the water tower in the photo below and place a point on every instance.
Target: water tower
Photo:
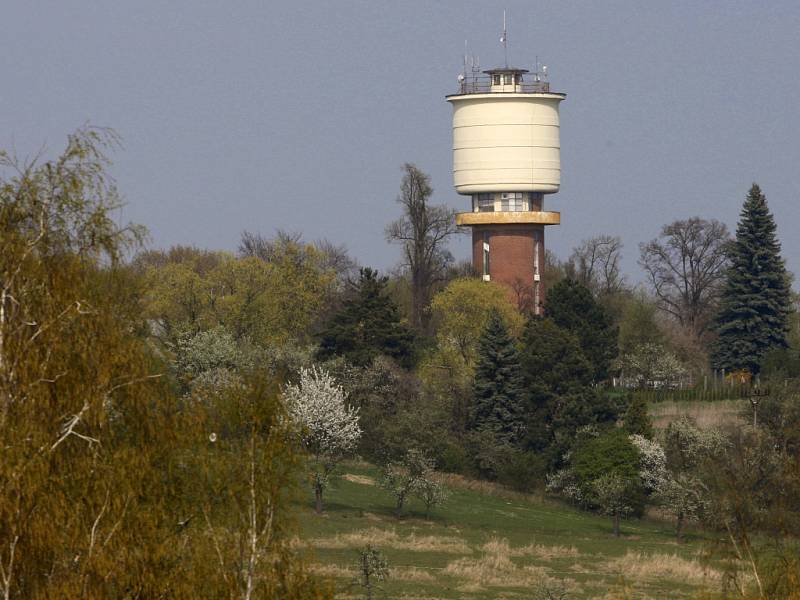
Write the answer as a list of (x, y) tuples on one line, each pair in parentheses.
[(506, 158)]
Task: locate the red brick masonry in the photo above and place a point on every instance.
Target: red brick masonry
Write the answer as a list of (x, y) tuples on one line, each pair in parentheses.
[(511, 256)]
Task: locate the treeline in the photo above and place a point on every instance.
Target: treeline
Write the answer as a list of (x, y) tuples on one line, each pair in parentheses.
[(158, 414)]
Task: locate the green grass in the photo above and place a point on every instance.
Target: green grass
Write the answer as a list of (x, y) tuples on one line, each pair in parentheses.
[(530, 542)]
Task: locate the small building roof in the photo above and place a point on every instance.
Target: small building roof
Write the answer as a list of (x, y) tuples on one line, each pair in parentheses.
[(505, 70)]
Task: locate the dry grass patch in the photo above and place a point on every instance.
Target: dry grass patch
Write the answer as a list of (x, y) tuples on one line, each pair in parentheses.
[(332, 571), (637, 566), (707, 414), (388, 538), (360, 479), (501, 546), (411, 574), (496, 569)]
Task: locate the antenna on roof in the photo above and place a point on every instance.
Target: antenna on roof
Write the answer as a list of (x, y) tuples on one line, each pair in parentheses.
[(504, 38)]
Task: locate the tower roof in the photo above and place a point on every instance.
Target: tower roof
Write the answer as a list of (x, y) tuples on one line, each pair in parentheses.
[(505, 70)]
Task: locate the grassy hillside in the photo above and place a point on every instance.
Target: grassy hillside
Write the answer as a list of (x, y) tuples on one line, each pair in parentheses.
[(494, 545)]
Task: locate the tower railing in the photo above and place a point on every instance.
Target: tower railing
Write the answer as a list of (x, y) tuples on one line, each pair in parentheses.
[(478, 84)]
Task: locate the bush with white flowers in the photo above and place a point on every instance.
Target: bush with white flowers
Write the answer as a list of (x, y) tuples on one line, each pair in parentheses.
[(328, 427)]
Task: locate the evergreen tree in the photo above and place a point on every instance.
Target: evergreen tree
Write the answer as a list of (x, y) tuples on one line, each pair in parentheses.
[(755, 304), (368, 325), (497, 390), (559, 396), (637, 421), (572, 306)]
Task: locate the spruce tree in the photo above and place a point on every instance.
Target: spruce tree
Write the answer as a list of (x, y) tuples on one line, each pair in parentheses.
[(367, 326), (497, 391), (755, 303)]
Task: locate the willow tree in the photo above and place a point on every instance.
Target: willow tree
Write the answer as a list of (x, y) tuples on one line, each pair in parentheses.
[(75, 384), (96, 456)]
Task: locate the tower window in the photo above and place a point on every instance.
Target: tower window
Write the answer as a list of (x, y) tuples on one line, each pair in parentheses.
[(511, 201), (495, 79), (486, 275), (483, 203)]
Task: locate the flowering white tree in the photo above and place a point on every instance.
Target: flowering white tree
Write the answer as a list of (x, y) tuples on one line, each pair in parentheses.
[(330, 428), (684, 494), (651, 364), (652, 463)]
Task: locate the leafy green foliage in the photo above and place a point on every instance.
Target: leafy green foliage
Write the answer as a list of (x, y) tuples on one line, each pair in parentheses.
[(462, 311), (638, 323), (367, 326), (755, 304), (268, 303), (609, 454), (561, 399), (110, 484), (572, 306)]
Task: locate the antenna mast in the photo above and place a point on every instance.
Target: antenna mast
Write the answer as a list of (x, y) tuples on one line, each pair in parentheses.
[(504, 38)]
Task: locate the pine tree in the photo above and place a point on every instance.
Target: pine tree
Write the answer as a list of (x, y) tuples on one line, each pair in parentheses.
[(497, 391), (571, 306), (367, 326), (755, 304), (637, 421)]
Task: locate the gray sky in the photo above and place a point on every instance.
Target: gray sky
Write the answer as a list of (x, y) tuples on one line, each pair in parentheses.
[(298, 115)]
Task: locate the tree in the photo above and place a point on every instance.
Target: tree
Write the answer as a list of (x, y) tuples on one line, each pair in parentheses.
[(612, 492), (403, 478), (372, 567), (612, 452), (650, 364), (687, 449), (330, 429), (756, 300), (432, 492), (603, 472), (638, 324), (557, 378), (74, 383), (422, 231), (462, 311), (273, 302), (571, 306), (561, 400), (637, 421), (367, 326), (595, 264), (685, 266), (239, 480), (93, 438), (497, 391)]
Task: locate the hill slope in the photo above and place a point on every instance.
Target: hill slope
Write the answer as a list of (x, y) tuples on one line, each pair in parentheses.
[(494, 545)]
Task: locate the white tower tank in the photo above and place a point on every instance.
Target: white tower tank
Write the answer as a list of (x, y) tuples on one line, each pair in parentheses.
[(506, 134)]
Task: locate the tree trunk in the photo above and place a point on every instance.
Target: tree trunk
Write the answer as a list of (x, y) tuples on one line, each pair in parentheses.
[(679, 528), (318, 498), (616, 524)]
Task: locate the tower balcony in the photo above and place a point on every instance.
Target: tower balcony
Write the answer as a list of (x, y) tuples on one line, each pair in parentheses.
[(523, 217)]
